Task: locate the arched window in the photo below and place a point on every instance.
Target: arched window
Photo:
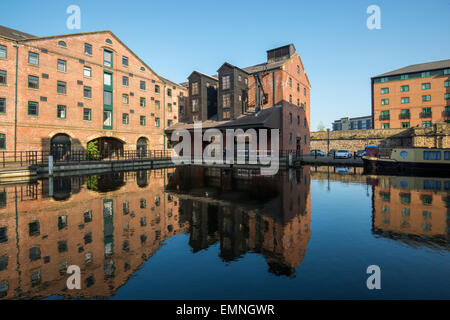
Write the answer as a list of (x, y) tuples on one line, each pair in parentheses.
[(108, 41), (62, 44), (142, 69), (141, 147), (60, 146)]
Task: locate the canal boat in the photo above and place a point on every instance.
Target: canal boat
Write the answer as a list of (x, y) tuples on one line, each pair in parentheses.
[(418, 161)]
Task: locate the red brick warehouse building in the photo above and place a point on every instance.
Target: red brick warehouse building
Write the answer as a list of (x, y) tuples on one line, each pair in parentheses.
[(61, 92), (271, 95)]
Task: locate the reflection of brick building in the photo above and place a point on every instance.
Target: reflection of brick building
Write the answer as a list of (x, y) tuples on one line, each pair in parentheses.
[(109, 234), (76, 88), (247, 213), (415, 210)]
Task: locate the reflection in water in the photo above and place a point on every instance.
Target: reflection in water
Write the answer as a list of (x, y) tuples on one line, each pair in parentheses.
[(109, 225)]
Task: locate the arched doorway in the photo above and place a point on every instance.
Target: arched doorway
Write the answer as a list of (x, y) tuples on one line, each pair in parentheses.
[(108, 147), (141, 147), (60, 146)]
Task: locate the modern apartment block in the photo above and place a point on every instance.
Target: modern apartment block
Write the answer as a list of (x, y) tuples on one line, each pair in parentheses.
[(358, 123), (413, 96), (61, 92)]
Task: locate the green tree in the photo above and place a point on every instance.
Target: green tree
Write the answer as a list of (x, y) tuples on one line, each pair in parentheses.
[(92, 151)]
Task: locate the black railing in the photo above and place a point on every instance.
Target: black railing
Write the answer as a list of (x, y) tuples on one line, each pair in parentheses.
[(425, 114), (404, 115), (446, 113), (385, 117)]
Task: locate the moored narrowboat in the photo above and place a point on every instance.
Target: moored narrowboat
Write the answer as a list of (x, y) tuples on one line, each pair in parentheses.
[(417, 161)]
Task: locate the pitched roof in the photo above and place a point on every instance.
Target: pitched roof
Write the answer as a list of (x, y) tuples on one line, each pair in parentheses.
[(215, 77), (265, 66), (441, 64), (14, 34)]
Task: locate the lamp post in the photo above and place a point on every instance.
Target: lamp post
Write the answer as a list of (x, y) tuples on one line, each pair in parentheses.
[(328, 141)]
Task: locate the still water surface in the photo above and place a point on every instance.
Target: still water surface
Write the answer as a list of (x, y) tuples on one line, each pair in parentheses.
[(195, 233)]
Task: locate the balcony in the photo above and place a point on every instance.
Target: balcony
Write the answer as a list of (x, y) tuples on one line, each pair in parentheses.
[(404, 116), (425, 114), (446, 114), (384, 117)]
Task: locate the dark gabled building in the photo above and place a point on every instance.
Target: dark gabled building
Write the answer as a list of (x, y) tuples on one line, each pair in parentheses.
[(202, 98), (233, 92)]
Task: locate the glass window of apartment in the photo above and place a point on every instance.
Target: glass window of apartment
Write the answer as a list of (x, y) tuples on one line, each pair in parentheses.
[(426, 98), (384, 90), (404, 114), (426, 112), (298, 69), (3, 52), (2, 77), (226, 82), (404, 88), (87, 92), (447, 84), (142, 120), (87, 72), (194, 88), (298, 87), (426, 86), (87, 114), (384, 79), (157, 105), (156, 88), (169, 123), (88, 49), (426, 124), (33, 82), (226, 114), (447, 96), (2, 141), (290, 82), (142, 85), (33, 108), (142, 102), (405, 100), (290, 98), (125, 98), (405, 124), (169, 92), (125, 81), (426, 74), (61, 112), (385, 126), (304, 92), (2, 105), (226, 100), (33, 58), (404, 77), (446, 71), (107, 58), (194, 105), (157, 122), (169, 107), (107, 98), (61, 65), (61, 87), (125, 118), (125, 61)]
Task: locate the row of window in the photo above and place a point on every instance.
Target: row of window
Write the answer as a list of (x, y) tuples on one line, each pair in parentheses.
[(298, 87), (425, 98), (425, 124), (415, 75), (405, 88)]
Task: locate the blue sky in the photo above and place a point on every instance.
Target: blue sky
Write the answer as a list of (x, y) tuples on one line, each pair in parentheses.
[(339, 53)]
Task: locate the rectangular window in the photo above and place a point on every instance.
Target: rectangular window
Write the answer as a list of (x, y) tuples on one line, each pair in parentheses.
[(446, 71), (169, 107), (447, 84), (446, 155), (194, 105), (61, 87), (290, 82), (125, 81), (156, 88), (385, 115), (169, 92), (426, 86), (107, 98), (405, 100), (142, 85), (125, 118), (385, 126), (2, 141), (169, 123), (87, 114), (87, 72), (2, 105), (384, 102), (404, 77), (61, 65), (225, 82), (447, 96), (426, 124), (426, 98), (87, 91), (125, 61), (3, 52), (33, 82), (384, 90), (157, 105), (142, 102), (33, 58), (404, 88), (142, 120), (384, 79), (157, 122), (33, 108), (107, 58), (226, 100), (405, 124), (61, 113), (426, 112), (226, 114), (107, 119), (194, 89), (125, 99), (426, 74), (88, 49), (431, 155), (2, 77)]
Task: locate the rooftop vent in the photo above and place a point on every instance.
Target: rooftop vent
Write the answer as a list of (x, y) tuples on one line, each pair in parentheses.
[(280, 53)]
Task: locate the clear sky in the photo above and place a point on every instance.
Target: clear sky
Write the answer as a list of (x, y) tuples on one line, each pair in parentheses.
[(339, 52)]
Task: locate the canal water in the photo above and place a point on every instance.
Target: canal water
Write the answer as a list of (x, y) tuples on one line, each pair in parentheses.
[(203, 233)]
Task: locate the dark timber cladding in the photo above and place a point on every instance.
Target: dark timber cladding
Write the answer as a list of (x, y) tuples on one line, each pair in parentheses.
[(203, 97), (233, 92)]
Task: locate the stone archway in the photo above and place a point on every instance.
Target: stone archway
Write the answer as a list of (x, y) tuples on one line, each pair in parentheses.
[(60, 146), (142, 147), (109, 146)]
